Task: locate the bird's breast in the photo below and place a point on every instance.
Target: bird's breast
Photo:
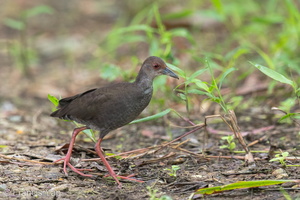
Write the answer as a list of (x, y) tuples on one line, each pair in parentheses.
[(125, 109)]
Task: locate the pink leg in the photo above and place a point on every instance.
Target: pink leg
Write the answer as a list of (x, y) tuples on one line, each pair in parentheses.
[(110, 170), (67, 158)]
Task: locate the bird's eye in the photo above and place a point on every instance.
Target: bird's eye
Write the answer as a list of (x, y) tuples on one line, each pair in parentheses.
[(156, 66)]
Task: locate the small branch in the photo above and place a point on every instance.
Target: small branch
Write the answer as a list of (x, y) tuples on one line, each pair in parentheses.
[(25, 160)]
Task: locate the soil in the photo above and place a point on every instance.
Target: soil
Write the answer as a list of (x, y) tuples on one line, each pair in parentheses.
[(31, 140)]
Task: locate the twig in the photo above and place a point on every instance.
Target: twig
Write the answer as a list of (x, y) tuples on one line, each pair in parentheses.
[(257, 141), (171, 154), (25, 160), (232, 157)]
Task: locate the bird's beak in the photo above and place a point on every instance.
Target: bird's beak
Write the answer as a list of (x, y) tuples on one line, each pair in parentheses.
[(169, 72)]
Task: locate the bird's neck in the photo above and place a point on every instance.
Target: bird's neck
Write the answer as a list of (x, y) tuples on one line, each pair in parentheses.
[(144, 81)]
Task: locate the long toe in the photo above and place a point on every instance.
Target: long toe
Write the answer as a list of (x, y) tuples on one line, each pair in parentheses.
[(129, 178), (117, 177), (65, 164), (78, 171)]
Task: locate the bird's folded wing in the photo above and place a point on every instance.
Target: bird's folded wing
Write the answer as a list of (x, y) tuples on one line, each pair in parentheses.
[(82, 106)]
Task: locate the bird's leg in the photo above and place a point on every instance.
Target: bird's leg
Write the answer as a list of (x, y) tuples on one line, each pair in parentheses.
[(67, 158), (110, 170)]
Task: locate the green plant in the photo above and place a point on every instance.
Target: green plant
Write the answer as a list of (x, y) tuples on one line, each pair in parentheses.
[(193, 85), (54, 101), (230, 143), (285, 194), (281, 157), (256, 32), (257, 35), (153, 193), (21, 51), (173, 170), (241, 185), (288, 103), (192, 79), (159, 41)]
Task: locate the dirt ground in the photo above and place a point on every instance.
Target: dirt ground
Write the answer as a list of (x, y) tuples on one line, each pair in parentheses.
[(31, 140)]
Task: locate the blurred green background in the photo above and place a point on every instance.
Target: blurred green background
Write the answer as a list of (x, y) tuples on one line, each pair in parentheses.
[(63, 47)]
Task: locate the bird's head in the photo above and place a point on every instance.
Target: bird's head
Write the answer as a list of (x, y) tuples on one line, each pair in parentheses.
[(154, 66)]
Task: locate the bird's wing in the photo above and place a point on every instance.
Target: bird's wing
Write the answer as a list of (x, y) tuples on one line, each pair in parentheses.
[(65, 101), (87, 106), (82, 106)]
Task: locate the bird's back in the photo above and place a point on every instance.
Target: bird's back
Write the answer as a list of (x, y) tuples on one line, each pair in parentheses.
[(106, 108)]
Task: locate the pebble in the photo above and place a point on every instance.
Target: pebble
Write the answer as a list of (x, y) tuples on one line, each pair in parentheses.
[(3, 187), (61, 188)]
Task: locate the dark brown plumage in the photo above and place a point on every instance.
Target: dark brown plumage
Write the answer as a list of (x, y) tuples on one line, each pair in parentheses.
[(108, 108)]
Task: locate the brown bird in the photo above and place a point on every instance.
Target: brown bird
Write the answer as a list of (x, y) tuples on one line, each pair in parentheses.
[(108, 108)]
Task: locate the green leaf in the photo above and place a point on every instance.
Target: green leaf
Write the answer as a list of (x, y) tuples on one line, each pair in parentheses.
[(90, 133), (218, 5), (179, 71), (181, 32), (112, 154), (296, 116), (178, 15), (269, 19), (297, 92), (182, 96), (290, 116), (14, 24), (165, 197), (202, 85), (175, 167), (133, 28), (228, 71), (195, 91), (131, 39), (53, 99), (265, 56), (232, 146), (152, 117), (242, 185), (236, 53), (288, 103), (43, 9), (285, 154), (273, 74), (195, 74)]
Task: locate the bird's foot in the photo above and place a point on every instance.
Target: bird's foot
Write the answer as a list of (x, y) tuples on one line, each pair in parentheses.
[(117, 177), (67, 162), (110, 170)]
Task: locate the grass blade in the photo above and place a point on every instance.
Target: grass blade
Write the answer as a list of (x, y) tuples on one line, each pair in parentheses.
[(90, 133), (53, 99), (273, 74), (228, 71), (195, 74), (179, 71), (152, 117), (241, 185)]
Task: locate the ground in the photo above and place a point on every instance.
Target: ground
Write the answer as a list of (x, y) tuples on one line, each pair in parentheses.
[(31, 140)]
